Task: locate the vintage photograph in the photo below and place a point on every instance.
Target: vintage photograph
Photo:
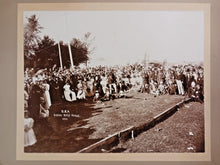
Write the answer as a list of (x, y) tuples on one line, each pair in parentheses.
[(129, 81)]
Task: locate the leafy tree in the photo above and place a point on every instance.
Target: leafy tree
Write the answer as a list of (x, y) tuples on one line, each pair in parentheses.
[(46, 53), (32, 30), (31, 35), (46, 42), (79, 51)]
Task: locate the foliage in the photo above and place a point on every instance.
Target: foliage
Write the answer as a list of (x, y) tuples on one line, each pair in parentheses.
[(47, 54), (31, 35), (46, 42), (79, 51), (32, 30), (43, 53)]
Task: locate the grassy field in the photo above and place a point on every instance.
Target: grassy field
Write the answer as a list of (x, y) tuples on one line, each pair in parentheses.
[(120, 114), (91, 122), (182, 132)]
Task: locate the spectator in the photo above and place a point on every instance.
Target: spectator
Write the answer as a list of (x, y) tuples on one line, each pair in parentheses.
[(29, 135)]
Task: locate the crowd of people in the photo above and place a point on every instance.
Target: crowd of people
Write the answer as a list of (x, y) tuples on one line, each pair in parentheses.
[(50, 86)]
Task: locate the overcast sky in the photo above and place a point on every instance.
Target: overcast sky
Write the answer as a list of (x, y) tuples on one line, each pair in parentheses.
[(123, 37)]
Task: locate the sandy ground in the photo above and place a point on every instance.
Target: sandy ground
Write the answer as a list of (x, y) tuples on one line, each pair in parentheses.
[(182, 132), (91, 122)]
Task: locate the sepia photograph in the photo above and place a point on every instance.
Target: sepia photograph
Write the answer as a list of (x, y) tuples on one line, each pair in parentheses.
[(113, 81)]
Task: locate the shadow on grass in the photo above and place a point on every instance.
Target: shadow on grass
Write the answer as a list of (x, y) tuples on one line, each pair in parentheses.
[(67, 133)]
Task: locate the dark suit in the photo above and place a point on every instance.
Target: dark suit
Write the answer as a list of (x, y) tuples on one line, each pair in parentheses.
[(189, 80), (34, 102)]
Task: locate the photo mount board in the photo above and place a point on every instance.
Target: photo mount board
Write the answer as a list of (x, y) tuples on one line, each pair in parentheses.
[(21, 155)]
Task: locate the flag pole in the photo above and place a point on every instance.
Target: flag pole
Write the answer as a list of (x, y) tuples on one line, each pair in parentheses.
[(60, 57), (70, 54)]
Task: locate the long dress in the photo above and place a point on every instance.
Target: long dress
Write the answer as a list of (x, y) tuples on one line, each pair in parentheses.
[(29, 136), (81, 93), (104, 83), (68, 94), (47, 95)]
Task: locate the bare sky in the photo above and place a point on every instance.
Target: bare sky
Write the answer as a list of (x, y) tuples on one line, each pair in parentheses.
[(123, 37)]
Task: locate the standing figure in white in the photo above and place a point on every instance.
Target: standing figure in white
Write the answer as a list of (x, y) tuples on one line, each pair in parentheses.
[(46, 88), (68, 93), (29, 136)]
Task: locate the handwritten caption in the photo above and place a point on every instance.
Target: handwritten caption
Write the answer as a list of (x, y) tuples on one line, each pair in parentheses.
[(65, 115)]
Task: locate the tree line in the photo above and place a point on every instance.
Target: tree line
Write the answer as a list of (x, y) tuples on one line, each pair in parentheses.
[(43, 52)]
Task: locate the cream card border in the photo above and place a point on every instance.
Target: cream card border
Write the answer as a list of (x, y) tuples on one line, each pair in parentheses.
[(20, 155)]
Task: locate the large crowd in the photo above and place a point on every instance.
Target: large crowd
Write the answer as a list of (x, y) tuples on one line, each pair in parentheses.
[(50, 86)]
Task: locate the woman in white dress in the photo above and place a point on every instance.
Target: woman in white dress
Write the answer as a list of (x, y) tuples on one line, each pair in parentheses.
[(68, 93), (29, 136), (103, 83), (47, 94), (81, 93)]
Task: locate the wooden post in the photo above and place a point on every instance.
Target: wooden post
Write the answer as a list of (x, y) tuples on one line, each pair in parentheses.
[(132, 134), (60, 57)]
